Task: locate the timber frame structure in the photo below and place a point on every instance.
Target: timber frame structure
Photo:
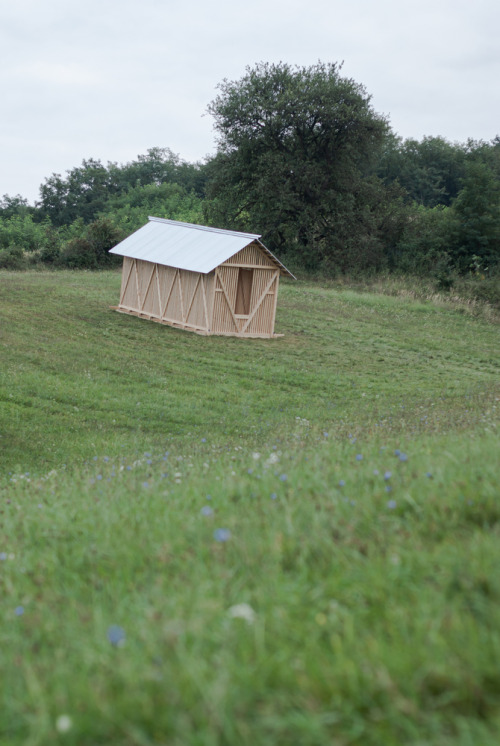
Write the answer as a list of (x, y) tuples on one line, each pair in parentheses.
[(236, 297)]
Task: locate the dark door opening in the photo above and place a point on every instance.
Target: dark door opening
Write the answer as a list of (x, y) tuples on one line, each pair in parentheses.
[(244, 292)]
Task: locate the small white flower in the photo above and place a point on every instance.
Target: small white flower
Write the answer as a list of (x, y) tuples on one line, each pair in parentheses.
[(242, 611), (256, 456), (63, 724)]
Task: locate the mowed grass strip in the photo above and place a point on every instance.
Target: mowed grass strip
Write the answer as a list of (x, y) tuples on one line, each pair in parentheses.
[(78, 379)]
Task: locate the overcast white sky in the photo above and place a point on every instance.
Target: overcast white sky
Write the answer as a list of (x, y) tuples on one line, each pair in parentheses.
[(109, 79)]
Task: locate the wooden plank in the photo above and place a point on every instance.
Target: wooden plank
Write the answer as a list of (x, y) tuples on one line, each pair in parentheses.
[(253, 255), (139, 304), (125, 284), (158, 287), (180, 295), (133, 312), (147, 286), (169, 294), (197, 330), (218, 277), (267, 288), (275, 303), (240, 265), (192, 297), (205, 302)]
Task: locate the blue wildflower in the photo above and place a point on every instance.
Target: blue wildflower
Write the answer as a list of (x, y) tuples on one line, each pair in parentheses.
[(206, 510), (359, 457), (391, 504), (387, 475), (342, 483), (283, 477), (19, 610), (116, 635), (203, 440), (397, 452), (222, 534), (3, 556), (403, 457), (273, 495)]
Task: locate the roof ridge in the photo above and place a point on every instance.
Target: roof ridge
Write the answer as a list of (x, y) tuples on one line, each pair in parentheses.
[(204, 228)]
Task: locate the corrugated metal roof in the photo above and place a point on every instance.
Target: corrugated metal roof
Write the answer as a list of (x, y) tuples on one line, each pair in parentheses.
[(196, 248)]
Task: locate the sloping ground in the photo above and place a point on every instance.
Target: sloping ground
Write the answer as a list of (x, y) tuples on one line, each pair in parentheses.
[(289, 542)]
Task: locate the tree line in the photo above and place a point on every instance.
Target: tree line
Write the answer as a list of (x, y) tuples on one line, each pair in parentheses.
[(301, 158)]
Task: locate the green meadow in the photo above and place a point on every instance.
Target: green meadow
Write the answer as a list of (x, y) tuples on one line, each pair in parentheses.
[(218, 541)]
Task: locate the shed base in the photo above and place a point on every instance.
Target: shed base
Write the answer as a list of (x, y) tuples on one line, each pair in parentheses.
[(189, 328)]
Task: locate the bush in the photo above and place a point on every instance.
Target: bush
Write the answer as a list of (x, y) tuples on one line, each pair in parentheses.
[(91, 250), (427, 243), (12, 258), (78, 254), (51, 251)]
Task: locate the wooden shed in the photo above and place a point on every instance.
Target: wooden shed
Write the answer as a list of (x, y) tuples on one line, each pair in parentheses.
[(206, 280)]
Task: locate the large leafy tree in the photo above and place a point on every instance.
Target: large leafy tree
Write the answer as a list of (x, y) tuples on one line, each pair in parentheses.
[(81, 195), (297, 148)]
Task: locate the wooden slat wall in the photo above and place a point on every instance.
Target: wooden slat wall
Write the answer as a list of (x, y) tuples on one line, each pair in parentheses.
[(263, 321), (128, 294), (209, 281), (144, 270), (166, 294), (166, 277), (203, 303), (226, 279), (173, 310), (252, 255), (151, 301)]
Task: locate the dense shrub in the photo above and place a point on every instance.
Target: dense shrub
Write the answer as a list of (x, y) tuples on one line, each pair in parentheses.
[(22, 231), (13, 258), (427, 242), (91, 250)]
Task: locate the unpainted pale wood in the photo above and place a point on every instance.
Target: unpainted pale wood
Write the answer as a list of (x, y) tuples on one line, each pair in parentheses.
[(208, 304)]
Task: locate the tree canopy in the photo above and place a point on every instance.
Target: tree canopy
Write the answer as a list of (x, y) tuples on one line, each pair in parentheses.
[(303, 159), (297, 147)]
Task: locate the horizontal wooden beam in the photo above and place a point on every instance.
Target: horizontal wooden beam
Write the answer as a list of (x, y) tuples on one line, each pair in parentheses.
[(249, 266), (167, 322)]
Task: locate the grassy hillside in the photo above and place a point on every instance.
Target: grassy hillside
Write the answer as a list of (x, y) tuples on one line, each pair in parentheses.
[(223, 541)]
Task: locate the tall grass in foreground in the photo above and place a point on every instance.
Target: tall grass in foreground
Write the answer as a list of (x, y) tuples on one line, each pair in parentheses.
[(337, 593), (217, 542)]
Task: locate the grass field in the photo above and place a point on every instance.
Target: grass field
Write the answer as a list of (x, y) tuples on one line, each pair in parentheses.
[(219, 541)]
